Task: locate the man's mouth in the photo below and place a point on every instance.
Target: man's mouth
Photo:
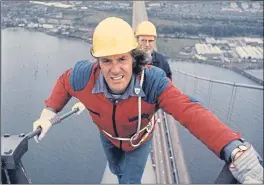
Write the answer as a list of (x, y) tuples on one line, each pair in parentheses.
[(116, 78), (147, 49)]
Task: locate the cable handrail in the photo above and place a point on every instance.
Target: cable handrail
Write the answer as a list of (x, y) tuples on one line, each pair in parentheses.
[(223, 82)]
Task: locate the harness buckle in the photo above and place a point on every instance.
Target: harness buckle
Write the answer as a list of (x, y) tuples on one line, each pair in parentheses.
[(149, 127), (142, 139)]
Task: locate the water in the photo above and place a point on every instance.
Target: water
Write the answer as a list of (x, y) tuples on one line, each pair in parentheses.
[(247, 115), (257, 73), (31, 63), (71, 152)]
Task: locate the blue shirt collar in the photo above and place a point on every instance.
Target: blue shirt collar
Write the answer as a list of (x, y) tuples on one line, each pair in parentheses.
[(133, 88)]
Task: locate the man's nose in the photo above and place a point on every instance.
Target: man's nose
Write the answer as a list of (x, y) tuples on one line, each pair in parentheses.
[(147, 43), (115, 68)]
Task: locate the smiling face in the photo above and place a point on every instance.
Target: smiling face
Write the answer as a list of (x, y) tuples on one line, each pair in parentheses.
[(117, 71)]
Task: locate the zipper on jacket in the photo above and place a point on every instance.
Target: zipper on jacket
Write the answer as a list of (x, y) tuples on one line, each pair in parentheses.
[(114, 122), (113, 118)]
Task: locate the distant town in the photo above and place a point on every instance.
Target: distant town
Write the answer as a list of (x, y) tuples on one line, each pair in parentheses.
[(248, 52), (228, 31), (174, 19)]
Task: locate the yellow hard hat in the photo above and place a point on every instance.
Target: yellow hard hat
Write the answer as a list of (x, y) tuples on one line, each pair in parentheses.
[(146, 28), (113, 36)]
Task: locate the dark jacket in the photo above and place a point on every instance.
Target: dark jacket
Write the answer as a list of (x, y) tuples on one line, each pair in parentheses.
[(160, 61)]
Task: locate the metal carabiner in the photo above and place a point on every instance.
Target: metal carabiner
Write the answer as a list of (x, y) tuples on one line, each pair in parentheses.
[(149, 127), (134, 137), (142, 140)]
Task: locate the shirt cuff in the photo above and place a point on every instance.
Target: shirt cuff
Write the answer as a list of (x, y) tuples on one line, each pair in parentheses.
[(51, 109), (227, 150)]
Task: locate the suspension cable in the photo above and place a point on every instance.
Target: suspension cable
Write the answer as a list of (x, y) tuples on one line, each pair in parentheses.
[(195, 85), (210, 92), (231, 104)]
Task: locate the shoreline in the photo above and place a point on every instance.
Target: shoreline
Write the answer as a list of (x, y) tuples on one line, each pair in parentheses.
[(232, 68), (55, 34)]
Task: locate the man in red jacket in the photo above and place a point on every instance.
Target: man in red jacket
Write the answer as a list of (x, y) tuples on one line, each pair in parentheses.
[(122, 94)]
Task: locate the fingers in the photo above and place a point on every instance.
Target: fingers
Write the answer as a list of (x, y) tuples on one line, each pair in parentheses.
[(42, 134), (44, 123), (78, 112), (36, 139), (246, 168), (35, 126), (80, 108), (45, 126), (75, 107)]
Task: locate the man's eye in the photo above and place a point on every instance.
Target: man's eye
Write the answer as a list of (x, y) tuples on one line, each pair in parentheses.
[(105, 61)]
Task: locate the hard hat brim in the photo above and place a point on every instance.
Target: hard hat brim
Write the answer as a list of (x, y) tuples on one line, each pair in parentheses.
[(113, 51), (145, 35)]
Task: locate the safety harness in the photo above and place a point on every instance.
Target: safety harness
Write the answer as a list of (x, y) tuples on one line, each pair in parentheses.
[(148, 128)]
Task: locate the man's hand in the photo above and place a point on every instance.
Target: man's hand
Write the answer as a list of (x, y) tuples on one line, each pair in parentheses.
[(80, 106), (246, 167), (44, 123)]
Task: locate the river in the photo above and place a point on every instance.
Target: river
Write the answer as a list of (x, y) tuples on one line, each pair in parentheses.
[(246, 116), (257, 73), (71, 152)]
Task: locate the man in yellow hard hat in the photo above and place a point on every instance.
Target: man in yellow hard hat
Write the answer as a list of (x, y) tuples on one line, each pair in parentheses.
[(122, 93), (146, 35)]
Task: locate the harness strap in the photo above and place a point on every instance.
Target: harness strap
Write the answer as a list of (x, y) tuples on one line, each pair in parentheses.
[(139, 108), (148, 128)]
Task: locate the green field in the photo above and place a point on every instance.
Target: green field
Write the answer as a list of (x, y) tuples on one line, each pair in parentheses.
[(172, 47), (98, 16)]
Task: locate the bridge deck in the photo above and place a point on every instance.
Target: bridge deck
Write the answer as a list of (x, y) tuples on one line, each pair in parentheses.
[(148, 175)]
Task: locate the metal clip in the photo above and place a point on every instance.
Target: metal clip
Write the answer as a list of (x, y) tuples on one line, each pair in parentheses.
[(149, 127)]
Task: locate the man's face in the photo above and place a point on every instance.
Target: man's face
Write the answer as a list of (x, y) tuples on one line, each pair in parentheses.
[(117, 71), (146, 43)]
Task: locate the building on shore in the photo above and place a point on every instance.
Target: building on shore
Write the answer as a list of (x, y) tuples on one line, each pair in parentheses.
[(250, 52), (208, 51)]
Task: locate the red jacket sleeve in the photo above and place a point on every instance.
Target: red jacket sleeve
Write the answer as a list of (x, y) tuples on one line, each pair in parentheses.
[(61, 92), (202, 123)]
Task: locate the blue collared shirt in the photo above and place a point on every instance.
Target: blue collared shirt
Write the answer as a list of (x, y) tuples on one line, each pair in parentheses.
[(133, 88)]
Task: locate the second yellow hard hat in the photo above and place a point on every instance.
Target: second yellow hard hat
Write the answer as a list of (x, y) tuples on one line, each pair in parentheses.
[(146, 28)]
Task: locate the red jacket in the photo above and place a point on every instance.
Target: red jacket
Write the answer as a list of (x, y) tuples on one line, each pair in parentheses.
[(120, 119)]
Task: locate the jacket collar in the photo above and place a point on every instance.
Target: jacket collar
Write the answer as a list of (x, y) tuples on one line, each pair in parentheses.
[(133, 88)]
